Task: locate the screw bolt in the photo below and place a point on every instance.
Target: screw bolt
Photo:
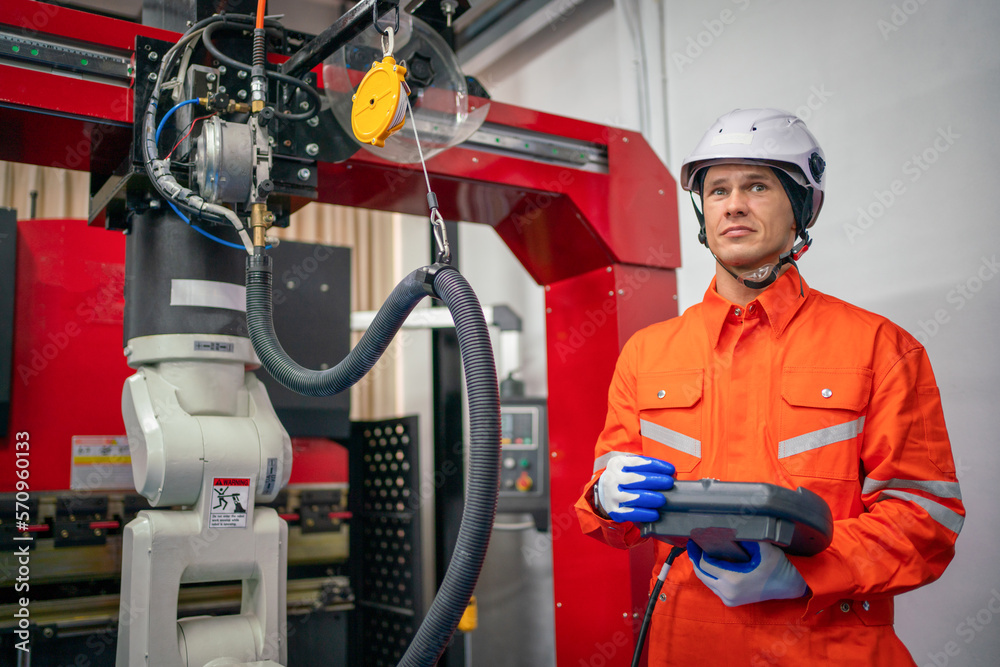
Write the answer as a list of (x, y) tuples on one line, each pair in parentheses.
[(313, 122), (241, 74), (153, 55), (210, 76), (242, 94), (312, 149), (152, 76), (304, 174)]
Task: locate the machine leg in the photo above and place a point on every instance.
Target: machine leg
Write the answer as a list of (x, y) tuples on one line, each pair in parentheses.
[(164, 549)]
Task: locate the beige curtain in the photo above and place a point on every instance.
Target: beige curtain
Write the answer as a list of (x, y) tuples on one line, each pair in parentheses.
[(65, 194), (61, 193)]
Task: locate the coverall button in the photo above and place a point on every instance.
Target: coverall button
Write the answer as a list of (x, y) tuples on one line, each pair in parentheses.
[(737, 312), (661, 394), (845, 606), (826, 393)]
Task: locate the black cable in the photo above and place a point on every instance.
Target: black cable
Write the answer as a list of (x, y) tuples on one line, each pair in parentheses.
[(304, 87), (640, 641), (229, 61)]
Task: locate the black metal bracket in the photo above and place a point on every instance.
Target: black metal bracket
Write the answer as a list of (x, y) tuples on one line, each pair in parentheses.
[(72, 528), (317, 510), (355, 21)]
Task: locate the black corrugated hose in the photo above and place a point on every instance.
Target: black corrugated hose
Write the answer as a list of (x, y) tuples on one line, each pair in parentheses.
[(355, 365), (484, 415)]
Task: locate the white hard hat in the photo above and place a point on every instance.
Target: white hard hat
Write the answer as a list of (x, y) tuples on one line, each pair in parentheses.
[(761, 136)]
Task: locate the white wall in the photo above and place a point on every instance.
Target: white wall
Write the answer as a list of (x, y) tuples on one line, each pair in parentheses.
[(879, 82)]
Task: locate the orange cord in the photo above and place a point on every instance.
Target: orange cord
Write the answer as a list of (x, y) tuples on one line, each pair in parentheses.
[(261, 4)]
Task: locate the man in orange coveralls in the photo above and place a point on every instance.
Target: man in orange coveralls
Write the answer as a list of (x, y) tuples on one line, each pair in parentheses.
[(767, 380)]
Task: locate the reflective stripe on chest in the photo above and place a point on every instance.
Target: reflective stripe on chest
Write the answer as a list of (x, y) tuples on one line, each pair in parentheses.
[(820, 438), (665, 436)]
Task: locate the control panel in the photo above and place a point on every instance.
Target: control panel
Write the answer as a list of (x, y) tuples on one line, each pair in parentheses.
[(523, 458)]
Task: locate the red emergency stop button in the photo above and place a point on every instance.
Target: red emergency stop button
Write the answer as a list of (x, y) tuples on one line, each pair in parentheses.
[(524, 482)]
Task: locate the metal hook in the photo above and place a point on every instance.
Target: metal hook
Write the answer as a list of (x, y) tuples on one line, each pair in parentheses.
[(388, 42), (440, 237), (395, 28)]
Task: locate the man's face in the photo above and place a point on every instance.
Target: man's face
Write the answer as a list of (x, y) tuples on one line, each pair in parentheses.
[(748, 218)]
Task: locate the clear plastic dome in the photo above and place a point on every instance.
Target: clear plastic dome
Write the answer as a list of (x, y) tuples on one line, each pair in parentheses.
[(439, 94)]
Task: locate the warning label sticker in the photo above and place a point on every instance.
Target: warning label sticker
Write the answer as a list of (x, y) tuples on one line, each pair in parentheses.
[(100, 463), (230, 500)]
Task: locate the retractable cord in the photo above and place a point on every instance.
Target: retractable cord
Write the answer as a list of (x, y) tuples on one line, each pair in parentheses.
[(640, 641)]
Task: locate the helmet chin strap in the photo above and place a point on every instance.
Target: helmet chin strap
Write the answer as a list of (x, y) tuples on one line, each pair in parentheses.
[(764, 276)]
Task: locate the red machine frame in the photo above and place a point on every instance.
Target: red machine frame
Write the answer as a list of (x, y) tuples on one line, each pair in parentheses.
[(604, 245)]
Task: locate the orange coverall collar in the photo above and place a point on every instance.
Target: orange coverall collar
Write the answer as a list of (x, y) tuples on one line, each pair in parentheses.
[(778, 304)]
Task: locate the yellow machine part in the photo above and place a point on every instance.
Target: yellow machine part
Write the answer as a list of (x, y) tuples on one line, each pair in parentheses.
[(470, 617), (379, 104)]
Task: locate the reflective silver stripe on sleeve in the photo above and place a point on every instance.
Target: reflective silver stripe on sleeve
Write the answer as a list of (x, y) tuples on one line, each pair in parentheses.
[(665, 436), (601, 462), (933, 487), (821, 438), (949, 519)]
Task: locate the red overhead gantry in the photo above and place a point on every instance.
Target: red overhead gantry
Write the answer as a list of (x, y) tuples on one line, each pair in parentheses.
[(603, 240)]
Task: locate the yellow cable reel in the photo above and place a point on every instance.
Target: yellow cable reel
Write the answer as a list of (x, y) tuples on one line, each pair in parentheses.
[(379, 107)]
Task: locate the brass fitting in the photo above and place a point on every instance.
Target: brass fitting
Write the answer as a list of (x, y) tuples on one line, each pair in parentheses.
[(232, 106), (256, 106), (260, 222)]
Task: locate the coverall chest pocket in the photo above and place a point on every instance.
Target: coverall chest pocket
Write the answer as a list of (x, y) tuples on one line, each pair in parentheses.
[(822, 421), (670, 416)]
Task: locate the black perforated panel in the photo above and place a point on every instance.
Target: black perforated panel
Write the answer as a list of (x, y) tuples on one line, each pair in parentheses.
[(386, 556), (387, 467), (385, 639), (388, 565)]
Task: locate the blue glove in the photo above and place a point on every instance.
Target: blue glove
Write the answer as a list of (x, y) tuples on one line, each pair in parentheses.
[(768, 575), (629, 488)]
